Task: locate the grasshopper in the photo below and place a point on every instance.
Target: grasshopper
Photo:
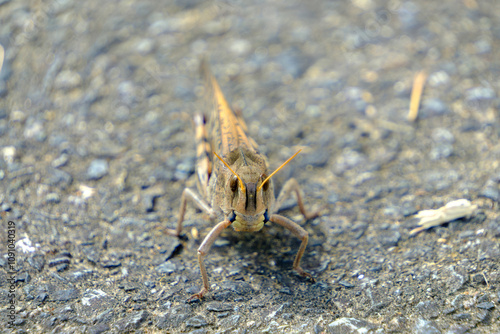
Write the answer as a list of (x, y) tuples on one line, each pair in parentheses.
[(233, 183)]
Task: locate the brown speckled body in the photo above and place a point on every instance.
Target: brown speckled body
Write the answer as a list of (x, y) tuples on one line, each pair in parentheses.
[(234, 186)]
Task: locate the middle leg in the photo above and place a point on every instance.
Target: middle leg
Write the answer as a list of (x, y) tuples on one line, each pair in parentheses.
[(293, 186)]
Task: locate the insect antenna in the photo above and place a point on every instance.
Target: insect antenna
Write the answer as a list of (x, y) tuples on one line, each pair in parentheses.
[(242, 185), (277, 169)]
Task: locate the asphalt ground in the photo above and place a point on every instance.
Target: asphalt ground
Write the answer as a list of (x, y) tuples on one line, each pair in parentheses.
[(97, 144)]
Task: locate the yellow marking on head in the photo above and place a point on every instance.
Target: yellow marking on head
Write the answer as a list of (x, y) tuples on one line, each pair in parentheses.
[(277, 169), (242, 185)]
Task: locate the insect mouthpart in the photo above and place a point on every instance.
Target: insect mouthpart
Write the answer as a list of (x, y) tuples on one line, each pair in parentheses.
[(249, 223)]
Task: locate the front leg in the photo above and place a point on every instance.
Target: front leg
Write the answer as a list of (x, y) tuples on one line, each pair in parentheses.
[(292, 186), (200, 202), (202, 251), (300, 233)]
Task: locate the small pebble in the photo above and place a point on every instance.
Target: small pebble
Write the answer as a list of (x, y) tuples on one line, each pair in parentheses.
[(196, 321), (67, 80), (97, 169)]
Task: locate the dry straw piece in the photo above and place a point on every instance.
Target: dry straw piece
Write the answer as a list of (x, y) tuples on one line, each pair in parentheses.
[(2, 54), (451, 211), (416, 94)]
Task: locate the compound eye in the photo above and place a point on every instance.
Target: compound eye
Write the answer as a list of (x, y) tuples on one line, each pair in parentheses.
[(233, 183), (265, 186)]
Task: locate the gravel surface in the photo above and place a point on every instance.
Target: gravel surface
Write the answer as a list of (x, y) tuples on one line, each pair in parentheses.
[(96, 146)]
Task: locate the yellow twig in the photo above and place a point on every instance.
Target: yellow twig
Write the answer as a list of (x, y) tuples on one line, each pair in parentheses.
[(416, 94), (2, 53)]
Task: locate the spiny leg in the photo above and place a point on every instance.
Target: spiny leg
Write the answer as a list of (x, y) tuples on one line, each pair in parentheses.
[(203, 154), (293, 186), (300, 233), (202, 251), (200, 202)]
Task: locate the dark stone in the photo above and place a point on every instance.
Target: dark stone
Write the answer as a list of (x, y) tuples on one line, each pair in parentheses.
[(346, 284), (457, 302), (478, 279), (110, 264), (377, 307), (66, 254), (65, 295), (233, 289), (62, 267), (222, 314), (23, 277), (166, 268), (483, 316), (485, 305), (58, 261), (359, 229), (149, 196), (458, 329), (462, 316), (50, 322), (219, 307), (41, 297), (441, 151), (488, 249), (131, 322), (428, 309), (184, 169), (92, 255), (105, 317), (432, 108), (491, 190), (52, 198), (150, 284), (196, 321), (172, 247), (98, 329), (174, 317), (198, 331), (140, 297), (449, 310), (60, 161), (316, 158), (467, 235), (58, 178), (129, 287), (388, 238), (231, 321), (494, 228), (37, 261), (64, 309)]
